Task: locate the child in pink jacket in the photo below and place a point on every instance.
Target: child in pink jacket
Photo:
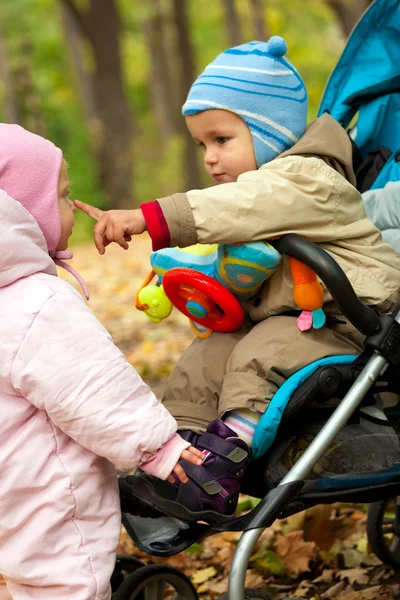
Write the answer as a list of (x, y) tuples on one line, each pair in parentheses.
[(72, 409)]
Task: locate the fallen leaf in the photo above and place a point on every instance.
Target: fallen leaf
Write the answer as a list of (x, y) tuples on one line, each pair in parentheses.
[(318, 526), (294, 552), (267, 561), (304, 589), (218, 587), (294, 522), (356, 575), (335, 590), (253, 579), (352, 558), (370, 593), (362, 544), (203, 575), (348, 594), (325, 577)]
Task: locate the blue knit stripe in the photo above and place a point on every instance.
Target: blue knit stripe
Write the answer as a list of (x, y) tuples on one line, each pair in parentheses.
[(247, 81), (235, 89), (264, 132), (289, 71), (247, 53), (281, 61)]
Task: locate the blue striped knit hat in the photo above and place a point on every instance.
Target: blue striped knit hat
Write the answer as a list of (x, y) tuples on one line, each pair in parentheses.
[(258, 84)]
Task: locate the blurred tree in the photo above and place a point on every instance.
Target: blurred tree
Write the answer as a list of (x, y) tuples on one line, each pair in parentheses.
[(100, 24), (10, 100), (257, 14), (26, 93), (232, 23), (165, 97), (84, 78), (186, 61), (348, 12)]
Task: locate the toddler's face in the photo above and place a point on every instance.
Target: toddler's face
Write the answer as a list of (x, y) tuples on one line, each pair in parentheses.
[(66, 208), (227, 143)]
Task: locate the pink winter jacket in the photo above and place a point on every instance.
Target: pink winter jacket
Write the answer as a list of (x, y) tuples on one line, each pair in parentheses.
[(65, 388)]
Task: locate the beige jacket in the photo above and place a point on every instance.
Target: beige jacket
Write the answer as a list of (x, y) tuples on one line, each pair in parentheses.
[(308, 190)]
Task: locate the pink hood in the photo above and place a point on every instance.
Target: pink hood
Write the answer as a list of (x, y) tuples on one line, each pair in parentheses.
[(23, 248), (29, 172)]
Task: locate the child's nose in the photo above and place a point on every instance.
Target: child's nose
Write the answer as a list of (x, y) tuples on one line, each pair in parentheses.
[(210, 157)]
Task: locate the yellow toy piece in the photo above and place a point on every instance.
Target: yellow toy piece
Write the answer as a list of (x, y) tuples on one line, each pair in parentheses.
[(156, 304)]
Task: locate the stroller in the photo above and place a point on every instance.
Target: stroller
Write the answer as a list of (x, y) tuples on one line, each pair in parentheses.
[(340, 450)]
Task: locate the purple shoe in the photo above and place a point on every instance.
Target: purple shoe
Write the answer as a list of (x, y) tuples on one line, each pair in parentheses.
[(212, 492)]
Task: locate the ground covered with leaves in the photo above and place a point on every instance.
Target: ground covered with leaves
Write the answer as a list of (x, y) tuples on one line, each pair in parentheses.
[(321, 553)]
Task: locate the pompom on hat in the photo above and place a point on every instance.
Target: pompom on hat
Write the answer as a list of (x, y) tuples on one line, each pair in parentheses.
[(258, 84)]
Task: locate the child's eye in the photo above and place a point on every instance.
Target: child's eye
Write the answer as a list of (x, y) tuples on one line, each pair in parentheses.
[(222, 140)]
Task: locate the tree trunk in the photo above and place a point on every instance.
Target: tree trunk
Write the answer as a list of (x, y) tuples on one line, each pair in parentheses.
[(232, 23), (185, 56), (257, 13), (164, 96), (348, 13), (100, 24), (29, 113), (84, 80), (10, 101)]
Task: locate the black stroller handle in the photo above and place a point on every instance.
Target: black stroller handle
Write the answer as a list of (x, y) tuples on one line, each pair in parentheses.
[(327, 269)]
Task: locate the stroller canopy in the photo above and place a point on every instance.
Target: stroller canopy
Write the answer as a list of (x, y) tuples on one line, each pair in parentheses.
[(367, 80)]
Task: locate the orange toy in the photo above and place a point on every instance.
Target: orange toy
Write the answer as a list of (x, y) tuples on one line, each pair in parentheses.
[(308, 295)]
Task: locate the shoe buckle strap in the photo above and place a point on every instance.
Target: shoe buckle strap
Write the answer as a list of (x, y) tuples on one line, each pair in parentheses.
[(237, 455), (212, 487), (224, 448)]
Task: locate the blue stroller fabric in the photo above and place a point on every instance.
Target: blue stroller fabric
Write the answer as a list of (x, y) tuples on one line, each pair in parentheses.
[(267, 427), (366, 80)]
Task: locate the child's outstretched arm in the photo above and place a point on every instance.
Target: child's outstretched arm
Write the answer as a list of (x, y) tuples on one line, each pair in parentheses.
[(68, 366), (289, 195), (113, 225)]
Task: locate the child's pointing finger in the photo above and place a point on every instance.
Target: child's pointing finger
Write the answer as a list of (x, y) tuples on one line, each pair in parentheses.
[(92, 211)]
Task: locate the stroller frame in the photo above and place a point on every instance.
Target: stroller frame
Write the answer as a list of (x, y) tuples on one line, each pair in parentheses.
[(366, 321), (166, 536)]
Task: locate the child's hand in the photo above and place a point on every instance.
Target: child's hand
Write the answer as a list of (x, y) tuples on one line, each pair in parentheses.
[(192, 455), (113, 225)]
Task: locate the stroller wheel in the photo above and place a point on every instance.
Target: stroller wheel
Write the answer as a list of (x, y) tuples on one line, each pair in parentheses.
[(250, 593), (156, 582), (124, 565), (383, 531)]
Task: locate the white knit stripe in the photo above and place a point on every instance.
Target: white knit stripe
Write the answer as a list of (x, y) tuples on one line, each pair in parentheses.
[(244, 422), (246, 113), (249, 70), (266, 142)]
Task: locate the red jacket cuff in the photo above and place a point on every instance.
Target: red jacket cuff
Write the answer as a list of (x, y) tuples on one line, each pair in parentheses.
[(157, 226)]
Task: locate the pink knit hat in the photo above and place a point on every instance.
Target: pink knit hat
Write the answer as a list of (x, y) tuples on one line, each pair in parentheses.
[(29, 172)]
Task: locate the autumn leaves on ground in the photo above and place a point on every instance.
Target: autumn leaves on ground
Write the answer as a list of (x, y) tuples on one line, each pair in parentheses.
[(319, 554)]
